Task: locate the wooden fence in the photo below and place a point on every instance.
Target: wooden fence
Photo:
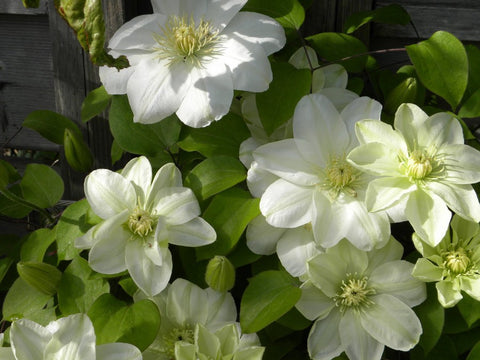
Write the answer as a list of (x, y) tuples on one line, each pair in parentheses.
[(45, 68)]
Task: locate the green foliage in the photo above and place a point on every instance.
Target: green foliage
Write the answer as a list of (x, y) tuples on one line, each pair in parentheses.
[(77, 153), (229, 213), (268, 296), (342, 48), (41, 185), (96, 101), (390, 14), (276, 105), (36, 244), (441, 54), (50, 125), (213, 175), (41, 276), (431, 315), (470, 309), (116, 321)]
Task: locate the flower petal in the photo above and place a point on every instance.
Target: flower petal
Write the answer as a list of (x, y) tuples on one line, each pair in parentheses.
[(385, 193), (377, 131), (440, 129), (319, 125), (471, 286), (326, 272), (358, 343), (304, 58), (283, 159), (196, 232), (408, 119), (107, 255), (189, 8), (338, 96), (118, 351), (115, 81), (395, 278), (392, 251), (177, 205), (324, 338), (28, 339), (157, 89), (109, 193), (221, 309), (287, 205), (314, 304), (248, 63), (221, 12), (461, 199), (428, 215), (335, 76), (209, 98), (258, 29), (462, 163), (167, 176), (448, 296), (139, 172), (245, 153), (427, 271), (262, 238), (391, 322), (258, 180), (73, 337), (359, 109), (150, 278), (187, 304), (294, 249), (375, 158), (6, 353)]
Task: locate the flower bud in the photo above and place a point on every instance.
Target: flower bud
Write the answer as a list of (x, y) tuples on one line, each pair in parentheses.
[(405, 92), (77, 153), (41, 276), (220, 274)]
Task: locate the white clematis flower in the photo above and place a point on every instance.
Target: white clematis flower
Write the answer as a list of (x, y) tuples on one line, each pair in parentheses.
[(68, 338), (425, 169), (182, 306), (315, 183), (189, 56), (141, 217), (361, 302)]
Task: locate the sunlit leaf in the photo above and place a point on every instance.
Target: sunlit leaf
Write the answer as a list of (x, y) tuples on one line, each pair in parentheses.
[(96, 101)]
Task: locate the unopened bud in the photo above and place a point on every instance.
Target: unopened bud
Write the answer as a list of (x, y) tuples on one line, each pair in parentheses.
[(405, 92), (77, 153), (41, 276), (220, 274)]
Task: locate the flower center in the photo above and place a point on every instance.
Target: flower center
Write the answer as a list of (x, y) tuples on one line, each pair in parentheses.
[(183, 334), (140, 222), (183, 40), (418, 165), (354, 293), (340, 176), (457, 261)]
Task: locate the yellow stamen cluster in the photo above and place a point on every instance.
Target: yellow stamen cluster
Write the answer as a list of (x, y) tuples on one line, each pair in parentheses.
[(340, 176), (186, 334), (418, 165), (457, 261), (183, 40), (354, 293), (140, 222)]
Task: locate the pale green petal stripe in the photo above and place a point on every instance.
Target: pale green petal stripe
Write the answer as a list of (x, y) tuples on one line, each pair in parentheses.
[(139, 171), (427, 271), (186, 304), (28, 339), (462, 163), (369, 131), (447, 295), (385, 193), (376, 158), (408, 119), (324, 339), (461, 199)]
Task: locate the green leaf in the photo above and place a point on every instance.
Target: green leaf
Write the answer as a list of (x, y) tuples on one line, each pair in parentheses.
[(96, 101), (50, 125), (268, 296), (444, 350), (13, 208), (214, 175), (115, 321), (85, 17), (229, 213), (289, 13), (220, 138), (116, 152), (36, 244), (432, 315), (79, 287), (43, 277), (22, 301), (72, 224), (277, 104), (470, 309), (473, 54), (391, 14), (471, 107), (41, 185), (294, 320), (133, 137), (168, 130), (442, 66), (475, 353), (335, 47)]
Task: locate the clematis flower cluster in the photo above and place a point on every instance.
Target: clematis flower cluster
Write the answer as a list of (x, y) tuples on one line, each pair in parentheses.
[(454, 264), (141, 216), (68, 338), (188, 57)]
